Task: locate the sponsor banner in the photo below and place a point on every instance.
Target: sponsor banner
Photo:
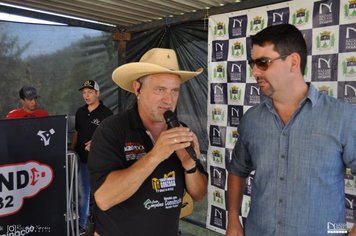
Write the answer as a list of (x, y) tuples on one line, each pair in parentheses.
[(32, 176), (329, 29)]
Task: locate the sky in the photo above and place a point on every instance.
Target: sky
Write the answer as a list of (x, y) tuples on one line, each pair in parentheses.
[(44, 37)]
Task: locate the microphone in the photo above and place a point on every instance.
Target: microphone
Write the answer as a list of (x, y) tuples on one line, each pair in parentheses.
[(172, 122)]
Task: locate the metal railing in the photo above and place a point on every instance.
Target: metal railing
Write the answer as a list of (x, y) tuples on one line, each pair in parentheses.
[(72, 214)]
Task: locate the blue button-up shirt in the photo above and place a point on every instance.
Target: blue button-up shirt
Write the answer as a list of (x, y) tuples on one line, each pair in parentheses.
[(298, 188)]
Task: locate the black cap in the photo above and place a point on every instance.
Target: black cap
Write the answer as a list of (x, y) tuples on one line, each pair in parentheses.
[(28, 92), (90, 84)]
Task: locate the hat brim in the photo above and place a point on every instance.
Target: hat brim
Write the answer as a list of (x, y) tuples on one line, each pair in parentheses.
[(89, 87), (125, 75)]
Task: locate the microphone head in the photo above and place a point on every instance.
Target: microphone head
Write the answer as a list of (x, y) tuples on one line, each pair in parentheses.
[(169, 116), (171, 119)]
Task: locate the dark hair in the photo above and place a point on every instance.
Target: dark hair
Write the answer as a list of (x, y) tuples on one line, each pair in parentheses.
[(286, 39)]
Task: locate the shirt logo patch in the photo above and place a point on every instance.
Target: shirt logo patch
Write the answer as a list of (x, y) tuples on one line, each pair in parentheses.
[(152, 204), (169, 202), (133, 151), (167, 183), (95, 121)]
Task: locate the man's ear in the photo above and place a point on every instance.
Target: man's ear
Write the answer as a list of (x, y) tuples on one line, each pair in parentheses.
[(295, 61), (137, 87)]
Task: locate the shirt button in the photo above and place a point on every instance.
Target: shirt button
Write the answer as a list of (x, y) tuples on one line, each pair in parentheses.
[(280, 200), (281, 178), (283, 156)]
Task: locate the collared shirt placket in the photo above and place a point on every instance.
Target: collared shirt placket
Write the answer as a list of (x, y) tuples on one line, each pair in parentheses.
[(282, 193)]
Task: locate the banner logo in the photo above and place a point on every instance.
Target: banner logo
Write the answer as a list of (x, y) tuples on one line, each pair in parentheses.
[(235, 93), (217, 156), (325, 40), (334, 228), (233, 136), (218, 197), (326, 13), (237, 49), (218, 217), (218, 114), (350, 9), (45, 136), (218, 177), (349, 67), (237, 26), (326, 89), (219, 72), (257, 23), (235, 113), (301, 17), (220, 50), (236, 71), (347, 91), (220, 29), (278, 16), (19, 181)]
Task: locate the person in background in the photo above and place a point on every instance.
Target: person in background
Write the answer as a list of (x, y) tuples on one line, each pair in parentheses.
[(29, 101), (139, 168), (87, 119), (297, 140)]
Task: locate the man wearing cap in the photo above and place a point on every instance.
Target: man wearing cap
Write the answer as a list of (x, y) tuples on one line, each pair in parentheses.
[(140, 169), (28, 99), (87, 119)]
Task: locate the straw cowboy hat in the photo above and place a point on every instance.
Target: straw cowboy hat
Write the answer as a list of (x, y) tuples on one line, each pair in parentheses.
[(154, 61)]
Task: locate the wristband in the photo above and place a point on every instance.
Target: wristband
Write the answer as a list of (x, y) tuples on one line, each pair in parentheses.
[(192, 170)]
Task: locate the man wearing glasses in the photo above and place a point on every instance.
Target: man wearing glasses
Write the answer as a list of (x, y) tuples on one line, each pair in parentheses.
[(298, 141)]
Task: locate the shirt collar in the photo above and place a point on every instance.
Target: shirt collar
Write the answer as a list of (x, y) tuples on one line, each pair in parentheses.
[(135, 119), (312, 96)]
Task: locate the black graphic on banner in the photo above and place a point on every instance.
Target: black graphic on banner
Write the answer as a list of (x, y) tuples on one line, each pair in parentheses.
[(324, 67), (218, 177), (347, 91), (217, 135), (32, 176), (236, 71), (278, 16), (326, 13), (252, 95), (234, 115), (347, 38), (218, 93), (350, 205), (237, 26), (220, 50), (218, 217)]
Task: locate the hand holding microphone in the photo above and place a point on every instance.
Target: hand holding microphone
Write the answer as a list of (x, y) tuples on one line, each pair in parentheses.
[(172, 122)]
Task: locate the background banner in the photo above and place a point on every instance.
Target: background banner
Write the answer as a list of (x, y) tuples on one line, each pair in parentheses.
[(329, 28), (32, 176)]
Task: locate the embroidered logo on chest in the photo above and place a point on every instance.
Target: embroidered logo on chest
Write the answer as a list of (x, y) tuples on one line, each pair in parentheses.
[(95, 121), (167, 183), (134, 151)]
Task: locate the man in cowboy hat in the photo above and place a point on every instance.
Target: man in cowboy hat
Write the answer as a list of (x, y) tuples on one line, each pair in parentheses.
[(140, 169)]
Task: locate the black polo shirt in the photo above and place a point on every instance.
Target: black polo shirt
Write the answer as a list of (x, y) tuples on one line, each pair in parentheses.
[(85, 124), (154, 209)]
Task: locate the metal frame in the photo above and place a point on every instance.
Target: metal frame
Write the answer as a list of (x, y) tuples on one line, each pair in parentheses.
[(72, 214)]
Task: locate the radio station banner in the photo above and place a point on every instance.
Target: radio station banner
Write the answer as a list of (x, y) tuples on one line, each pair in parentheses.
[(329, 28), (32, 176)]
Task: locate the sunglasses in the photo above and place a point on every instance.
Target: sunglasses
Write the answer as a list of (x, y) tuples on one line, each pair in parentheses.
[(264, 62)]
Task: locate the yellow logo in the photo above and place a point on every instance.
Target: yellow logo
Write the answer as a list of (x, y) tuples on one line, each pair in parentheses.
[(167, 183)]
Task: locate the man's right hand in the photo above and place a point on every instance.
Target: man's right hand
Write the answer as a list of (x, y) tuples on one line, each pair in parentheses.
[(234, 229)]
